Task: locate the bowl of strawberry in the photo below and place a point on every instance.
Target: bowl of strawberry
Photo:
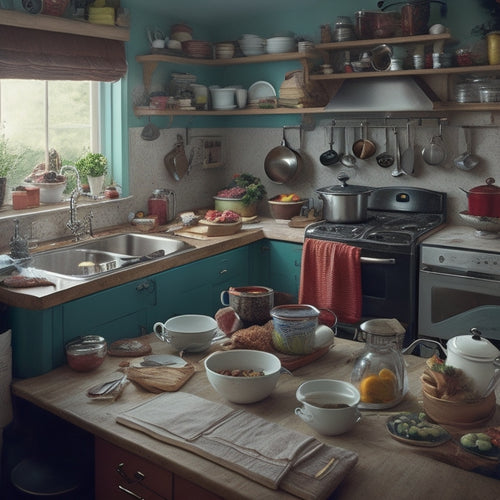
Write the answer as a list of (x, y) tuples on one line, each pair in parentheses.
[(285, 206), (221, 222)]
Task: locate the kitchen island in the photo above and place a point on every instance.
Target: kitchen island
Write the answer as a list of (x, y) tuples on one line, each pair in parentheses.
[(386, 469)]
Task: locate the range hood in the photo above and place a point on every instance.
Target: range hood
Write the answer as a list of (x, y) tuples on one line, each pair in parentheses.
[(382, 95)]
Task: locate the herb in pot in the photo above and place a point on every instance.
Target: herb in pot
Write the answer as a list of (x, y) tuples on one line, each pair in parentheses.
[(244, 187)]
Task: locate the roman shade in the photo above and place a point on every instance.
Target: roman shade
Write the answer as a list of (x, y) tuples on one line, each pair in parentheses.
[(46, 55)]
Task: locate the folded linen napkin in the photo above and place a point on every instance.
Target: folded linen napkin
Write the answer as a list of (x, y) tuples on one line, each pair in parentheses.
[(331, 278), (265, 452)]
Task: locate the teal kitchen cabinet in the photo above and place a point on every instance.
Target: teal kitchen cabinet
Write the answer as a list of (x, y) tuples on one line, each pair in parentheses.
[(276, 264), (195, 288), (38, 337)]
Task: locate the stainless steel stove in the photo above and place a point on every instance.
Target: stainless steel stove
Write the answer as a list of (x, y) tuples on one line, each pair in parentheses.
[(398, 220)]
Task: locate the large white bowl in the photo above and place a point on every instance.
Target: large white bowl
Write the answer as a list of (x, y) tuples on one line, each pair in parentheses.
[(243, 390), (223, 98)]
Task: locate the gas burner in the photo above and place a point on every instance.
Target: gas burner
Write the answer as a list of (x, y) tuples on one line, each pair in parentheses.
[(391, 237), (332, 230)]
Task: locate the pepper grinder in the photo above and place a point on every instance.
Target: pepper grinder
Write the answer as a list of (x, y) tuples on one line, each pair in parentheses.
[(18, 245)]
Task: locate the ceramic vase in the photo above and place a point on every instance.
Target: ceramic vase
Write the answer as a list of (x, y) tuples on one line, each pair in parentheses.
[(96, 185)]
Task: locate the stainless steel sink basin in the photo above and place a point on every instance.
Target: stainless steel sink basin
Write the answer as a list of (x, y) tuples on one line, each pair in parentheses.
[(88, 259)]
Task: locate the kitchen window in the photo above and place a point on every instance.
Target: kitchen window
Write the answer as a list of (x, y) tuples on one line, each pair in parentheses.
[(38, 115)]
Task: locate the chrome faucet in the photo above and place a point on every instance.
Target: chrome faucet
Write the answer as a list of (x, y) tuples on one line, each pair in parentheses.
[(77, 227)]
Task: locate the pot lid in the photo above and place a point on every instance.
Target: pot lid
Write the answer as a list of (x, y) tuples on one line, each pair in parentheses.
[(343, 188), (473, 347), (295, 312), (487, 188)]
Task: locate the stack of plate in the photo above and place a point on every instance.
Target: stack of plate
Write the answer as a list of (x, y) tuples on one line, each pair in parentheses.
[(224, 50), (180, 84), (197, 48), (280, 44), (260, 92), (252, 45)]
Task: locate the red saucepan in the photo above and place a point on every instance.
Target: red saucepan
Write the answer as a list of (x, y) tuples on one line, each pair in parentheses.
[(484, 200)]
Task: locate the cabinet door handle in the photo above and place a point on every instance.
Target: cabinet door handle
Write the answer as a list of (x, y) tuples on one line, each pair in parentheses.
[(222, 271), (128, 492)]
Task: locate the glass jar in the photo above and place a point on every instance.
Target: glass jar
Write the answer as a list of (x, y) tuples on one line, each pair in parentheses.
[(379, 372), (159, 205)]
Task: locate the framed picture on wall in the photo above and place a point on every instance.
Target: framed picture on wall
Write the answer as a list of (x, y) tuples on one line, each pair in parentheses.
[(213, 152)]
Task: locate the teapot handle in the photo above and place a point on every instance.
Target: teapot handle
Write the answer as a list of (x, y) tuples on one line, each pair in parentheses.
[(411, 347)]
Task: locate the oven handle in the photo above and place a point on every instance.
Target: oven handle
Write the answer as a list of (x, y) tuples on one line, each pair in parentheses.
[(375, 260)]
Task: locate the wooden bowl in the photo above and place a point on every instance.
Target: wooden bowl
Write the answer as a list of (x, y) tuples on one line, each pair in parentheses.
[(221, 228), (459, 413), (285, 209)]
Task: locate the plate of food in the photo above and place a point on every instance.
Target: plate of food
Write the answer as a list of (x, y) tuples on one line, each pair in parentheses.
[(221, 223), (485, 444), (416, 430)]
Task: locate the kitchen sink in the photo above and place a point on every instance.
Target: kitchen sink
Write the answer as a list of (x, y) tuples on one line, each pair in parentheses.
[(87, 259)]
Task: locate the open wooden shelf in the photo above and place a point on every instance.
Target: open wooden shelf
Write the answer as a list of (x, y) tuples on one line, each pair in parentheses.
[(62, 25)]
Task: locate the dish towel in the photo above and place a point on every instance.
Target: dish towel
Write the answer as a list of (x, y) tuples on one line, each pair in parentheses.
[(268, 453), (330, 278)]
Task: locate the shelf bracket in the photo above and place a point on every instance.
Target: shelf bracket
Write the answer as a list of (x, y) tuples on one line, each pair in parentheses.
[(148, 68)]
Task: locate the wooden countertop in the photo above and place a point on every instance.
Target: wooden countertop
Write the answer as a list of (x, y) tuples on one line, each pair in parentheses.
[(65, 289), (386, 468)]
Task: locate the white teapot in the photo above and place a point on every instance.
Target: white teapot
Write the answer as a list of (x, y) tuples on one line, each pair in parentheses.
[(476, 356)]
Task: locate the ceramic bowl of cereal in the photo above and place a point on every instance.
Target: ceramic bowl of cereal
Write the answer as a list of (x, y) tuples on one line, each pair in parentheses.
[(242, 375)]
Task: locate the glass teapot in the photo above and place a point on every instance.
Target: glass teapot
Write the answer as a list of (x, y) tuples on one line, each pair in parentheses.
[(379, 371)]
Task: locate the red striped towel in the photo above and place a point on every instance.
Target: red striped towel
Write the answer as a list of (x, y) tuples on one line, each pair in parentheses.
[(330, 278)]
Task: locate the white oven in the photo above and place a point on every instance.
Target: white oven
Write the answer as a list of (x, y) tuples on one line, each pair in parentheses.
[(459, 285)]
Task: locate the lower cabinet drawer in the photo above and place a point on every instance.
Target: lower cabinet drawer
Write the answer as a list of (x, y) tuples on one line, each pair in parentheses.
[(120, 474)]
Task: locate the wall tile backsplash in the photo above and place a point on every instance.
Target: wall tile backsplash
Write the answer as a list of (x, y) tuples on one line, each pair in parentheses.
[(245, 150)]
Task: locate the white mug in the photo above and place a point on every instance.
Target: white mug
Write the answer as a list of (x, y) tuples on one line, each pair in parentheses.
[(241, 98), (329, 406), (189, 332)]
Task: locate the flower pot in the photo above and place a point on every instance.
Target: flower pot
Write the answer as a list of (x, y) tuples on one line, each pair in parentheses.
[(96, 184), (235, 206), (3, 184)]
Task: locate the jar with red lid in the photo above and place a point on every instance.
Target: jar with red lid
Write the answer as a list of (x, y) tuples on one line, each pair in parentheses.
[(484, 200)]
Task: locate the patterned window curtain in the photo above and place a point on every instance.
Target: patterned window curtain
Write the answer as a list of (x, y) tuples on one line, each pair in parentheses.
[(45, 55)]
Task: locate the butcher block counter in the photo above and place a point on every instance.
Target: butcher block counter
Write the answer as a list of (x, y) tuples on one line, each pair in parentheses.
[(65, 290), (386, 468)]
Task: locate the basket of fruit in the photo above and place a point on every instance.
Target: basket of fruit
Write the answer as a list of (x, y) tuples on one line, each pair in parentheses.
[(285, 206)]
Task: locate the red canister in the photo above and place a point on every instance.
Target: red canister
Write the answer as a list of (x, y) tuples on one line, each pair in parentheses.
[(485, 200)]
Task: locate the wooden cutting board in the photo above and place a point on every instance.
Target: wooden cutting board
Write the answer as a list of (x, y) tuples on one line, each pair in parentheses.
[(160, 378), (453, 454)]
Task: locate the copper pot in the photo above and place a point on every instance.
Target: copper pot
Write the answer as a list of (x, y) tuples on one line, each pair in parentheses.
[(484, 200)]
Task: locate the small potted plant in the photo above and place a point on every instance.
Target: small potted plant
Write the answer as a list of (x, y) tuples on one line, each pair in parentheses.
[(241, 195), (9, 159), (93, 167)]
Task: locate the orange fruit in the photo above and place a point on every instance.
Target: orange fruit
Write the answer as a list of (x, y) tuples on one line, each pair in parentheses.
[(377, 389)]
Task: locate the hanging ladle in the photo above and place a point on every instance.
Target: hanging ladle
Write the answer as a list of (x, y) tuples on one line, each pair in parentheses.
[(330, 157), (467, 160), (385, 159), (397, 171), (347, 159)]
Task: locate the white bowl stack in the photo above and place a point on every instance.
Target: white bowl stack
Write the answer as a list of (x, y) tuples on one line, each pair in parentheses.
[(252, 45), (280, 44)]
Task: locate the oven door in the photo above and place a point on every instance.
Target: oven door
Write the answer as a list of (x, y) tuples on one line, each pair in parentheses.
[(450, 304), (389, 290)]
